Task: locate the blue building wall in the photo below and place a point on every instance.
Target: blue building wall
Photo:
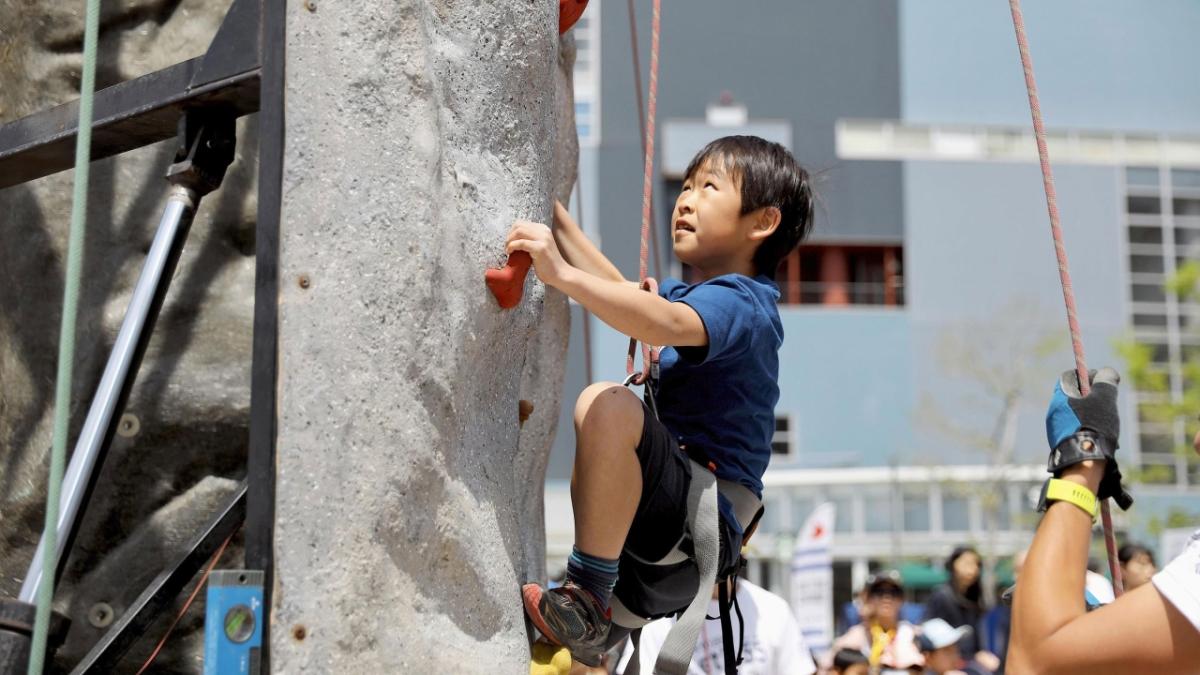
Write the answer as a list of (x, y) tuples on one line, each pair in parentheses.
[(985, 295), (1100, 64), (846, 381)]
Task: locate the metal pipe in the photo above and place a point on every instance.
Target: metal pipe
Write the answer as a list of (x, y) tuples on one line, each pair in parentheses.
[(157, 271)]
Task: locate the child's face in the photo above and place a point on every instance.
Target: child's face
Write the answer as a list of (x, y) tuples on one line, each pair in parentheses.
[(942, 660), (708, 227), (857, 669)]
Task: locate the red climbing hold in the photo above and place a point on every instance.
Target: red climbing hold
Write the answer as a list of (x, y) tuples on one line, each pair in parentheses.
[(508, 282), (569, 12)]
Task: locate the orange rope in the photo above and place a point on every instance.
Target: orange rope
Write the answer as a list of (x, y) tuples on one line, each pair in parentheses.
[(187, 605)]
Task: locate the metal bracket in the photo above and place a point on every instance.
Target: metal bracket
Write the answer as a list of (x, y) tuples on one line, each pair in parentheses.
[(145, 110)]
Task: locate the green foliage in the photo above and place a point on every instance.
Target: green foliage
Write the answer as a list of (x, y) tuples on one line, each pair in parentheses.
[(1157, 404), (1176, 517)]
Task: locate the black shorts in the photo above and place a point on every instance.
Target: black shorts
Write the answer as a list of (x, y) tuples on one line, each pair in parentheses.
[(651, 590)]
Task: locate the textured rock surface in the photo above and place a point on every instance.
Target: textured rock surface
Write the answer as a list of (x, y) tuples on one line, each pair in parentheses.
[(409, 500)]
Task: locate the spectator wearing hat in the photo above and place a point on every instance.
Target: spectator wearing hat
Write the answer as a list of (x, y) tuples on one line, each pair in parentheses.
[(938, 642), (887, 641)]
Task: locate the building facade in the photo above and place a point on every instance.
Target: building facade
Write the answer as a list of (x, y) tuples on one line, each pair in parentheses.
[(924, 320)]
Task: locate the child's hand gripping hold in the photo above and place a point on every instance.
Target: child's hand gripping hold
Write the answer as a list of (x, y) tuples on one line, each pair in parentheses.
[(537, 240)]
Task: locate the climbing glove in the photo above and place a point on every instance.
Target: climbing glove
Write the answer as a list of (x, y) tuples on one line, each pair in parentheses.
[(1081, 428)]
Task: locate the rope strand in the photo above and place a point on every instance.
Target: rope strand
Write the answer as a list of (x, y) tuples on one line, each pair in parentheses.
[(648, 169), (641, 107), (1064, 274)]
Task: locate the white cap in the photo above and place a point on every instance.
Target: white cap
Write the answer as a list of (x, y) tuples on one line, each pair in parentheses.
[(940, 634)]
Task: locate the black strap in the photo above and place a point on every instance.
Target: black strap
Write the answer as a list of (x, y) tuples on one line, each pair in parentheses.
[(634, 667), (649, 395), (731, 661)]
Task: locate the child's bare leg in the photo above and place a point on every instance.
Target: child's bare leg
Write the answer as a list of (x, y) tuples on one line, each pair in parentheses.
[(606, 484)]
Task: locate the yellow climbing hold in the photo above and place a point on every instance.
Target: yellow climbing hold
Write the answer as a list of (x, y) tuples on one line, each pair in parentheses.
[(549, 660)]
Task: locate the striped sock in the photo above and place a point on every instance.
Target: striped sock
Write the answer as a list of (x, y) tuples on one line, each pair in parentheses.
[(595, 575)]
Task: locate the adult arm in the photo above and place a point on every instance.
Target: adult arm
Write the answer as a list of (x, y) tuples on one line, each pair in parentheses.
[(578, 250), (1052, 632)]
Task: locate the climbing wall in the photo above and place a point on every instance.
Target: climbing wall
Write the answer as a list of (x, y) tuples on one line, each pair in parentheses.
[(409, 495), (417, 131)]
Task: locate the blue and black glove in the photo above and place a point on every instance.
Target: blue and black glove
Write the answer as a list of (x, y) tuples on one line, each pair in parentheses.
[(1081, 428)]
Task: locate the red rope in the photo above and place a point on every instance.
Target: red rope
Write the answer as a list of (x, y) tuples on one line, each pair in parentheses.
[(649, 354), (1060, 250), (641, 107), (648, 144)]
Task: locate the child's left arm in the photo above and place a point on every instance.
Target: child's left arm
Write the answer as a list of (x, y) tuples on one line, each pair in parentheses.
[(622, 305)]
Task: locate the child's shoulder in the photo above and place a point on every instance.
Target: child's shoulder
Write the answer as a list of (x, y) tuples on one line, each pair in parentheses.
[(760, 285)]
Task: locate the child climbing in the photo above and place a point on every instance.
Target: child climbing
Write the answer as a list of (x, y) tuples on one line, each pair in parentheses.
[(744, 205)]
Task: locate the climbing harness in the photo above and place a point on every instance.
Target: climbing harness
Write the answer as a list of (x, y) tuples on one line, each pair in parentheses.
[(1064, 274)]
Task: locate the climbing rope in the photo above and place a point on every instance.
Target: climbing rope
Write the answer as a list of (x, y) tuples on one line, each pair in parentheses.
[(66, 338), (649, 354), (641, 108), (1064, 274)]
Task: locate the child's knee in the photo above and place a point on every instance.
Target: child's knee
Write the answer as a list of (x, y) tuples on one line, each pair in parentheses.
[(606, 403)]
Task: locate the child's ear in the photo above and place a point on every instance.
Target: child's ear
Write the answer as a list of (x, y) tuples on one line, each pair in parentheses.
[(766, 220)]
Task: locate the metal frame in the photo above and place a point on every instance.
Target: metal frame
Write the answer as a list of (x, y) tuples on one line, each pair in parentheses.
[(241, 73)]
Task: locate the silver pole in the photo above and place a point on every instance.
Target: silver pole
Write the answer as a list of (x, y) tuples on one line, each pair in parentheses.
[(177, 215)]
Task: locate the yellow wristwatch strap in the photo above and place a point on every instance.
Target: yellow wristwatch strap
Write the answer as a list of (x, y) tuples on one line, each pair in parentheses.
[(1066, 491)]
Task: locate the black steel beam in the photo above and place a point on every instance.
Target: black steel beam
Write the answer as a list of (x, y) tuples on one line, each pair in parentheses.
[(128, 115), (144, 110), (162, 592), (264, 374)]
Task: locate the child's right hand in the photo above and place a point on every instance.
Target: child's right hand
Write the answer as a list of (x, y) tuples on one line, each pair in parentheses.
[(537, 240)]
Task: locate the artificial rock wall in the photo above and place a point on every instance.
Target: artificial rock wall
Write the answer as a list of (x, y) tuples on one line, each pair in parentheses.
[(410, 500), (409, 497)]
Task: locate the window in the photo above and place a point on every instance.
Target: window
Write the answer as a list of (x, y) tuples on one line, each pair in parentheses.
[(1187, 207), (955, 513), (1146, 264), (1144, 176), (835, 275), (1149, 293), (1139, 234), (1143, 205), (1185, 178), (781, 442), (916, 510)]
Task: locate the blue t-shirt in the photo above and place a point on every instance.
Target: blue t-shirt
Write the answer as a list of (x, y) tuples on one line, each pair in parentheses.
[(722, 397)]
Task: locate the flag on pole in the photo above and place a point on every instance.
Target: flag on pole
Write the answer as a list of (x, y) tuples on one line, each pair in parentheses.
[(812, 578)]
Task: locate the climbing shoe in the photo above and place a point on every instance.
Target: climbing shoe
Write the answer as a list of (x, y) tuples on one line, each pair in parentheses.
[(571, 617)]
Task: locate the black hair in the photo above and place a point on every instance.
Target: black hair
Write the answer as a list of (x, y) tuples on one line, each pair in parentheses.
[(844, 658), (1130, 551), (769, 176), (974, 592), (924, 644)]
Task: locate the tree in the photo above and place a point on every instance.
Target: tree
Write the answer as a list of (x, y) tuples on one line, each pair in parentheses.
[(1161, 401)]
